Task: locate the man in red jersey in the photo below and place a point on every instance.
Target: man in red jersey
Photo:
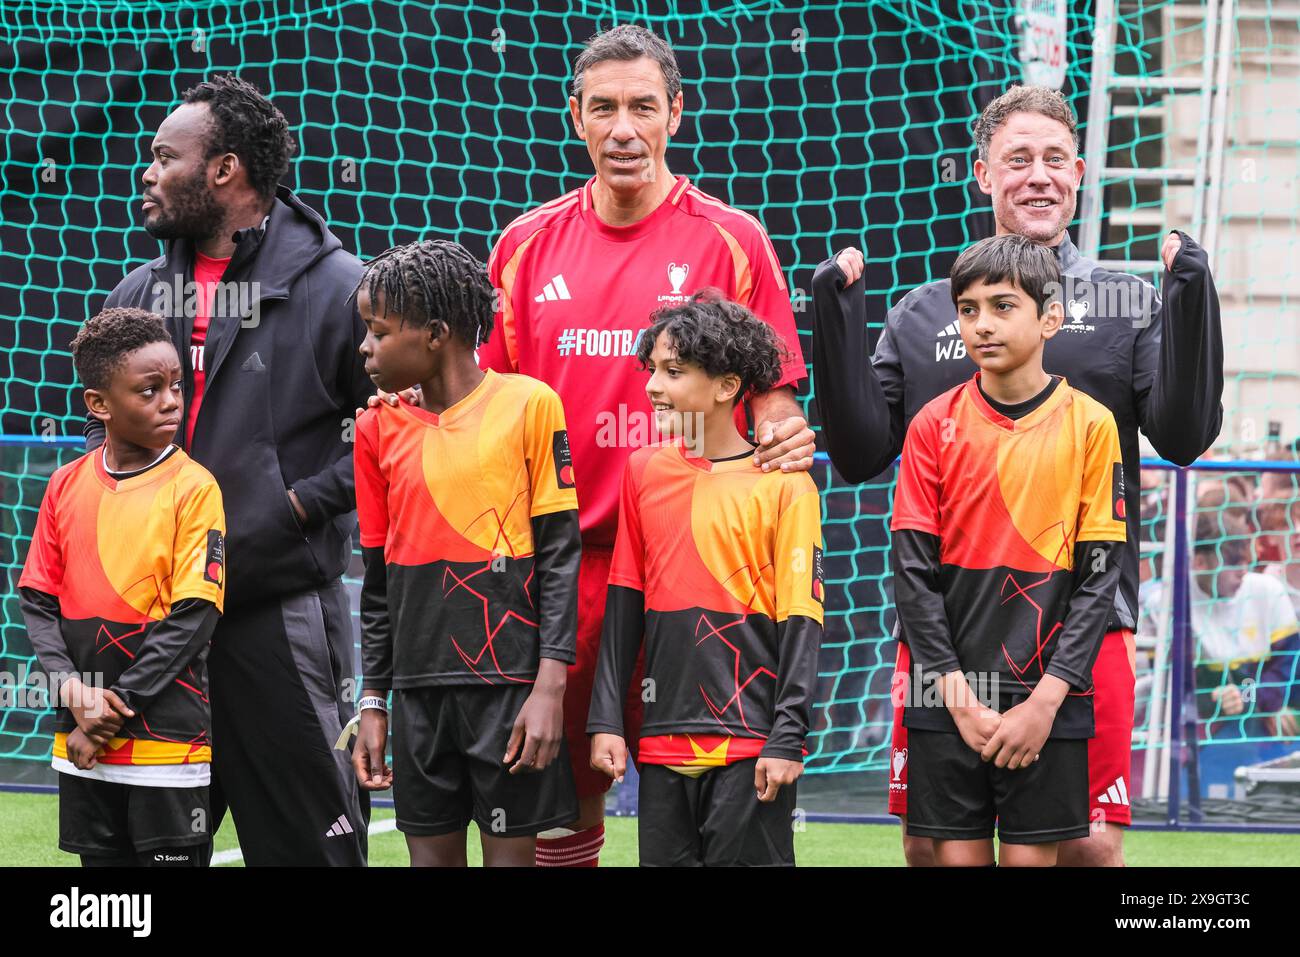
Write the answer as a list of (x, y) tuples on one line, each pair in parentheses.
[(578, 278)]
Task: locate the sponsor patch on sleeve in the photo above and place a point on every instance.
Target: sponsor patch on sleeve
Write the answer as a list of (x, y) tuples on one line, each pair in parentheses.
[(1118, 509), (215, 560), (563, 459), (818, 587)]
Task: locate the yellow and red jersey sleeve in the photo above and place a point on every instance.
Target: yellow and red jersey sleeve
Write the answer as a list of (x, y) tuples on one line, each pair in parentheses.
[(627, 568), (916, 493), (1101, 506), (371, 484), (800, 589), (550, 462), (44, 567), (199, 562)]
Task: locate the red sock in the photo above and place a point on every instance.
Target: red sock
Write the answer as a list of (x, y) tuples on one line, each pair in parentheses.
[(579, 849)]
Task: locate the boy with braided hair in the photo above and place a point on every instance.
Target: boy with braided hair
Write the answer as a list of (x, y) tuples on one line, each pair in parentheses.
[(469, 529)]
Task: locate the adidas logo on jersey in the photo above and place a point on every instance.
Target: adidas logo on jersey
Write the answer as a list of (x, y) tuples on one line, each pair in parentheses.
[(339, 827), (948, 344), (1117, 793), (553, 290)]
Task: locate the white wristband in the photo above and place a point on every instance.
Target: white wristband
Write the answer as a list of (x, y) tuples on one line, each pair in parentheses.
[(379, 704)]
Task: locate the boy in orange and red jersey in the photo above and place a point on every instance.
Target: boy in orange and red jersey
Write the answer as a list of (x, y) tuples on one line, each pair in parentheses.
[(717, 566), (469, 528), (124, 581), (1007, 529)]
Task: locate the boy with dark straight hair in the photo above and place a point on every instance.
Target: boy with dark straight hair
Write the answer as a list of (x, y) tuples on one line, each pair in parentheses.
[(1008, 520)]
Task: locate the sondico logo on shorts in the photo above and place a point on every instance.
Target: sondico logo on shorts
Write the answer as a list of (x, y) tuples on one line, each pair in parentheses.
[(598, 342)]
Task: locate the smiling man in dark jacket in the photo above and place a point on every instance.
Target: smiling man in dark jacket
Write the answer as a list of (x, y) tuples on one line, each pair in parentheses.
[(255, 288), (1155, 359)]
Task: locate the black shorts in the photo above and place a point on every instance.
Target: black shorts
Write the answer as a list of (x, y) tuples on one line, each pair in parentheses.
[(714, 820), (954, 796), (447, 769), (103, 819)]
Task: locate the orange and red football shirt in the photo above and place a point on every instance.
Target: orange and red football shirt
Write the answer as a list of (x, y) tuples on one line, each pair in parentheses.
[(118, 554), (458, 503), (576, 294), (1022, 514), (718, 566)]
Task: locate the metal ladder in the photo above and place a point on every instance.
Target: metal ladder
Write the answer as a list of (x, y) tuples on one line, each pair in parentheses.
[(1205, 177)]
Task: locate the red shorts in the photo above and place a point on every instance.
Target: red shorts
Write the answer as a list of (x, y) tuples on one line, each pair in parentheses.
[(1109, 750), (593, 580)]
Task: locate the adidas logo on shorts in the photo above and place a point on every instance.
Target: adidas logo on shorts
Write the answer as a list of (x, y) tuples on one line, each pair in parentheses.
[(1117, 793), (340, 827)]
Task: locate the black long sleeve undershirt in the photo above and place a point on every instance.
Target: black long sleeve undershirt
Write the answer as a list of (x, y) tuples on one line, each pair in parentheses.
[(557, 553), (922, 617), (798, 640), (170, 648), (925, 625), (862, 425), (41, 613), (620, 642), (1178, 383), (376, 627)]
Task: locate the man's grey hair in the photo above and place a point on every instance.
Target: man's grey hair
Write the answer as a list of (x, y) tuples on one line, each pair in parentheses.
[(628, 42), (1024, 99)]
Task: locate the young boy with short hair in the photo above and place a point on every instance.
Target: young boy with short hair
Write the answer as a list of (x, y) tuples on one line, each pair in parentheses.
[(124, 582), (469, 529), (1007, 529), (717, 567)]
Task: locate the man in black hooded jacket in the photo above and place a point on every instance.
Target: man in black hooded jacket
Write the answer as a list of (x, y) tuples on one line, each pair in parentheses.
[(1155, 359), (254, 289)]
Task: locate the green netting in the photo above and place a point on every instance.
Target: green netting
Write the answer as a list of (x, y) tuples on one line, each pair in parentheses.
[(833, 123)]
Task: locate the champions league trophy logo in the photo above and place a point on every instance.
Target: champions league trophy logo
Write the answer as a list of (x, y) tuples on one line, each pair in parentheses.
[(900, 759), (677, 276)]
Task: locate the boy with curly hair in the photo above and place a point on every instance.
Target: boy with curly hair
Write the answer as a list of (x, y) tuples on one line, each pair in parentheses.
[(121, 591), (717, 567)]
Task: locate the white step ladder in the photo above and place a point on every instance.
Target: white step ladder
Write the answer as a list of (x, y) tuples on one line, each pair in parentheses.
[(1205, 176)]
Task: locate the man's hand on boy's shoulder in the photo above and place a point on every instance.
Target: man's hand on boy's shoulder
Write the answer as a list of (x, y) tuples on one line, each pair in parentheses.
[(410, 396), (771, 774), (784, 439), (539, 729), (82, 752)]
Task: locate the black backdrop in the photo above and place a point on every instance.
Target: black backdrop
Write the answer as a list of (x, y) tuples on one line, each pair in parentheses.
[(838, 142), (833, 123)]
